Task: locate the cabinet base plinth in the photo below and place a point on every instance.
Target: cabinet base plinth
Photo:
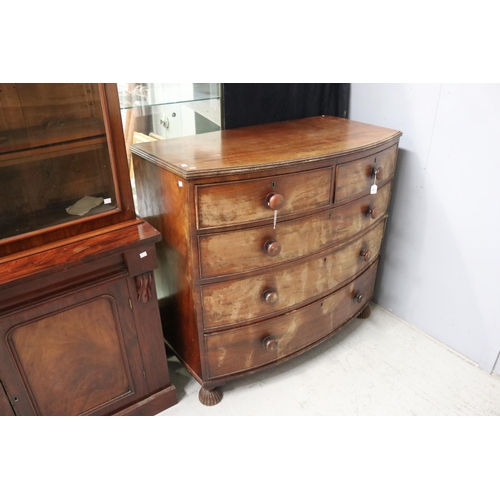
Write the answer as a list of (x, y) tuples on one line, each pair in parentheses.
[(152, 405)]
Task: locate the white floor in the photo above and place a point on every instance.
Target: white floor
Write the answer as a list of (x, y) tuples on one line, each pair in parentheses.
[(379, 366)]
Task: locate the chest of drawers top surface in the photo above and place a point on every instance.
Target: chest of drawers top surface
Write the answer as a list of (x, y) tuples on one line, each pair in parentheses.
[(260, 147)]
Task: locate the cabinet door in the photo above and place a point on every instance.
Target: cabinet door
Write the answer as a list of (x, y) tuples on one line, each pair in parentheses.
[(63, 164), (75, 355)]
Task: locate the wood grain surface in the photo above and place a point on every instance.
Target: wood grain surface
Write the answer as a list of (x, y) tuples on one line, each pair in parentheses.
[(232, 252), (356, 177), (230, 203), (240, 300), (263, 146), (244, 348)]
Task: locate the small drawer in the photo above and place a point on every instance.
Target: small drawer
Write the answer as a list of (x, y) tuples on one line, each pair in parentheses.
[(355, 178), (230, 203), (249, 347), (141, 260), (240, 300), (244, 250)]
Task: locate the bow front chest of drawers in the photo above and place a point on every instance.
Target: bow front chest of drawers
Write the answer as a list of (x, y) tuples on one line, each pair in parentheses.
[(271, 238)]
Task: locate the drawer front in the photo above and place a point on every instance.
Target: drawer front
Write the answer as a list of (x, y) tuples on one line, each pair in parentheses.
[(252, 346), (237, 301), (250, 249), (355, 178), (230, 203)]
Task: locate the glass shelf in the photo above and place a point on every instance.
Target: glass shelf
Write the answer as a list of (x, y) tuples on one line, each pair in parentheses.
[(167, 110), (148, 94)]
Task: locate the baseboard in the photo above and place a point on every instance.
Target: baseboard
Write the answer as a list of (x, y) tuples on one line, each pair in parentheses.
[(152, 405)]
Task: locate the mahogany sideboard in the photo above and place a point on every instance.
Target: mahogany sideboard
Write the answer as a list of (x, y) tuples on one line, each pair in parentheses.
[(80, 329), (271, 238)]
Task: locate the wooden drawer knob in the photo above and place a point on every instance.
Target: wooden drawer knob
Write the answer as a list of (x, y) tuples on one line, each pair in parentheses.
[(274, 201), (270, 343), (272, 248), (371, 212), (270, 297), (376, 172), (366, 254), (359, 297)]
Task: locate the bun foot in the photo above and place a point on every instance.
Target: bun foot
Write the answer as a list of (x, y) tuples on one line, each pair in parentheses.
[(210, 398), (365, 313)]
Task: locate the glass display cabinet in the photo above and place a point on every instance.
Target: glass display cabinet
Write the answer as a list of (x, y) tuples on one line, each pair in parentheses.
[(157, 111), (168, 110), (58, 174), (80, 332)]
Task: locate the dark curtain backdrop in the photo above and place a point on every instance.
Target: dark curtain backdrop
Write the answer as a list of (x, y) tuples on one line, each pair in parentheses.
[(255, 103)]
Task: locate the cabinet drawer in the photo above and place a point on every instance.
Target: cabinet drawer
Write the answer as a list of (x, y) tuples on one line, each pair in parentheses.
[(356, 177), (252, 346), (237, 301), (231, 203), (250, 249)]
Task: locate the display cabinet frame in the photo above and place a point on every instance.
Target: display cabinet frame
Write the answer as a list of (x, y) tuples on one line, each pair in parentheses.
[(124, 211)]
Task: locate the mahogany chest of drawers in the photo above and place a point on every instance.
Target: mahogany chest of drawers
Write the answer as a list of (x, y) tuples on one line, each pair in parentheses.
[(271, 238)]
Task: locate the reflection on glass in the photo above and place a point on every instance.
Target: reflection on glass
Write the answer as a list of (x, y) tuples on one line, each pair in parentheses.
[(158, 111), (168, 110), (53, 155)]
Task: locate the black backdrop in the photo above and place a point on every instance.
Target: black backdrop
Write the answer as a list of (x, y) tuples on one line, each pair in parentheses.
[(255, 103)]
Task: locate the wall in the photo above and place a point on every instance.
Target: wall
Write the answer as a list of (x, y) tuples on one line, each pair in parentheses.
[(440, 270)]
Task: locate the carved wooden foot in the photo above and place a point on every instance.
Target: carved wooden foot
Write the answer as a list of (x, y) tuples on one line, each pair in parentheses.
[(210, 397), (365, 313)]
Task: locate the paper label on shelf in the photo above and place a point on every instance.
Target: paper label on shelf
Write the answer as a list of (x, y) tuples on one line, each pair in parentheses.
[(107, 201)]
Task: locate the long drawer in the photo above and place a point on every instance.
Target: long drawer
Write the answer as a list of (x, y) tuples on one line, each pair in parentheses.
[(248, 347), (237, 301), (246, 250), (355, 178), (239, 202)]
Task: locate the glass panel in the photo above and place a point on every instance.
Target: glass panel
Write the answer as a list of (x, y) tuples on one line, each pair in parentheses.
[(158, 111), (53, 155), (168, 110)]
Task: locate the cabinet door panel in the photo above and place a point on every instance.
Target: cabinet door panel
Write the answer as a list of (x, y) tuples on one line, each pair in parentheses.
[(75, 356)]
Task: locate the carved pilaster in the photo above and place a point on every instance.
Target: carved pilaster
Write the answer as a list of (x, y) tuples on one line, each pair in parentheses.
[(143, 284)]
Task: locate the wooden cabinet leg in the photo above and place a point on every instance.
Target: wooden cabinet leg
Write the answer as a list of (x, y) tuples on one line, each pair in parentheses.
[(210, 397), (365, 313)]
